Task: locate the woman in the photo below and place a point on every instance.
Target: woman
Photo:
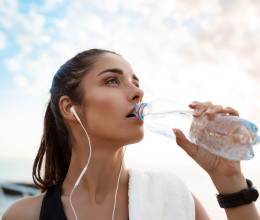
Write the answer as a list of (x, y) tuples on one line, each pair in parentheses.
[(89, 117)]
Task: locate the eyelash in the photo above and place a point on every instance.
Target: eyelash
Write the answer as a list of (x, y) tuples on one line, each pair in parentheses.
[(118, 82), (113, 79)]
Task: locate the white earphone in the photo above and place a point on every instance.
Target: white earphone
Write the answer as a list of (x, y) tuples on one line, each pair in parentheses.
[(72, 109)]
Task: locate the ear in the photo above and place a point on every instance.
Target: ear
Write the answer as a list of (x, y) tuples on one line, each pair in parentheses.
[(65, 104)]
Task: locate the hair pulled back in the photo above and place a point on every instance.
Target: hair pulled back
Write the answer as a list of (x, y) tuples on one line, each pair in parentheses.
[(55, 148)]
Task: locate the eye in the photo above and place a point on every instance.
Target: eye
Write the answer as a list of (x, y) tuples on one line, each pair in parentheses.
[(113, 81)]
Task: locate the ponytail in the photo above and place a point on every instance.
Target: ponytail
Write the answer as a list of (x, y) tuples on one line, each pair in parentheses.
[(55, 151)]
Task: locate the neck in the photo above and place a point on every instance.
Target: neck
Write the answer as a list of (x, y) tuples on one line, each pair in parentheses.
[(100, 180)]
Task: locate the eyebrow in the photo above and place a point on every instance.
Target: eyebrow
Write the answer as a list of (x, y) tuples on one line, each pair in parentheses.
[(117, 71)]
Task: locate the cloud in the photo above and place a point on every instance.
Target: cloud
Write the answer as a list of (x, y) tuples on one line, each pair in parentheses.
[(174, 33), (14, 65), (215, 32), (2, 40), (51, 4), (183, 51), (21, 80), (7, 9)]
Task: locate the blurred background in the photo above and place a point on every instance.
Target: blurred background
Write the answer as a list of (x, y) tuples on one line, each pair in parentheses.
[(181, 50)]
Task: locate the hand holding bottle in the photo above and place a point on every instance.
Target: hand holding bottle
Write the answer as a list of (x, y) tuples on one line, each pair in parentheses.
[(213, 164), (226, 174), (225, 135)]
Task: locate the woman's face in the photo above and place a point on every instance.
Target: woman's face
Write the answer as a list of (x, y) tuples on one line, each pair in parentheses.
[(111, 91)]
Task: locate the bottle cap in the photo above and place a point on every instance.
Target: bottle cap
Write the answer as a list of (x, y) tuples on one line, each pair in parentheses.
[(139, 110)]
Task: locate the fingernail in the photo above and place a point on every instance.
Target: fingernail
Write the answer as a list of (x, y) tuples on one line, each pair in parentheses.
[(195, 112), (209, 111)]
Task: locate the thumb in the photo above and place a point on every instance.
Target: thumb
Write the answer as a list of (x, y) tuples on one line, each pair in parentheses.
[(190, 148)]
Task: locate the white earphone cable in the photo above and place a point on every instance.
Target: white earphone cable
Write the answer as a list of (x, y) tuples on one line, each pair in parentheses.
[(85, 169), (118, 178)]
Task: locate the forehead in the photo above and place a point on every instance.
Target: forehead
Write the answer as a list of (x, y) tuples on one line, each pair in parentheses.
[(111, 61)]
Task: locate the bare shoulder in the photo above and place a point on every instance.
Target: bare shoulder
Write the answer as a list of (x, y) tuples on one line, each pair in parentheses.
[(200, 212), (26, 208)]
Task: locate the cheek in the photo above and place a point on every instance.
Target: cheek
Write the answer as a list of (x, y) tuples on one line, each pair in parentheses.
[(105, 118), (102, 114)]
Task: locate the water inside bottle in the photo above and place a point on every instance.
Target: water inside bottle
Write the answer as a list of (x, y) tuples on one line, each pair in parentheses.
[(163, 123), (224, 135)]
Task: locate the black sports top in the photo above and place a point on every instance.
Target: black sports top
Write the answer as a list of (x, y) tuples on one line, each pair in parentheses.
[(52, 208), (51, 205)]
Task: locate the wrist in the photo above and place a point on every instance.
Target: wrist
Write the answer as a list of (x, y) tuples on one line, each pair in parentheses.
[(230, 184)]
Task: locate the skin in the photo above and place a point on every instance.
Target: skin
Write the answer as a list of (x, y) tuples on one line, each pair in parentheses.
[(225, 174), (108, 99)]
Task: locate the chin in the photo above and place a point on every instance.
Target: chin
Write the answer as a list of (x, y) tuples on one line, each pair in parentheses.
[(125, 138), (135, 138)]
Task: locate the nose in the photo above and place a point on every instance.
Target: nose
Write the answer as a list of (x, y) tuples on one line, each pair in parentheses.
[(136, 94)]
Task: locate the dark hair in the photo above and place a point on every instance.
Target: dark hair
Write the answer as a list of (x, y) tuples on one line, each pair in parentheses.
[(55, 146)]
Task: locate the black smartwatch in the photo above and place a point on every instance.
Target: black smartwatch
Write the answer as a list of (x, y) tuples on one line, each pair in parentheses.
[(245, 196)]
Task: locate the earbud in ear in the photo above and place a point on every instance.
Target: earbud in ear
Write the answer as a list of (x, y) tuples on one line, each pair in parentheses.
[(72, 109)]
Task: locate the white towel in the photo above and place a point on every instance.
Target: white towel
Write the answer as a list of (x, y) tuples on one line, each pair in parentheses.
[(158, 196)]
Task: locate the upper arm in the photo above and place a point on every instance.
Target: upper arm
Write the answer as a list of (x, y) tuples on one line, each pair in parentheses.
[(27, 208), (200, 212)]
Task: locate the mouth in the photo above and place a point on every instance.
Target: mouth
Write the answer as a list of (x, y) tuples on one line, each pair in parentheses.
[(131, 114)]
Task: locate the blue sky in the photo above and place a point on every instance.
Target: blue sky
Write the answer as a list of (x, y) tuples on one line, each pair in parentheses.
[(181, 51)]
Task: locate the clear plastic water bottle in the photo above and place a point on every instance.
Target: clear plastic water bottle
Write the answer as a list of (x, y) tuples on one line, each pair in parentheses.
[(224, 135)]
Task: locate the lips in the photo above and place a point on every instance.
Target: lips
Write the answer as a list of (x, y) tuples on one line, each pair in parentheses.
[(131, 114)]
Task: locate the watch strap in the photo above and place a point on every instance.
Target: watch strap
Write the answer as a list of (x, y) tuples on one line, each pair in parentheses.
[(245, 196)]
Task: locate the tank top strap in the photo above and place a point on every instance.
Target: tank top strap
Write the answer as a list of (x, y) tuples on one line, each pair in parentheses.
[(51, 205)]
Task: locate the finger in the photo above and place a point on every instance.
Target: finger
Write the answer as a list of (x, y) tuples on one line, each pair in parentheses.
[(193, 104), (190, 148), (213, 109), (200, 108), (230, 111)]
